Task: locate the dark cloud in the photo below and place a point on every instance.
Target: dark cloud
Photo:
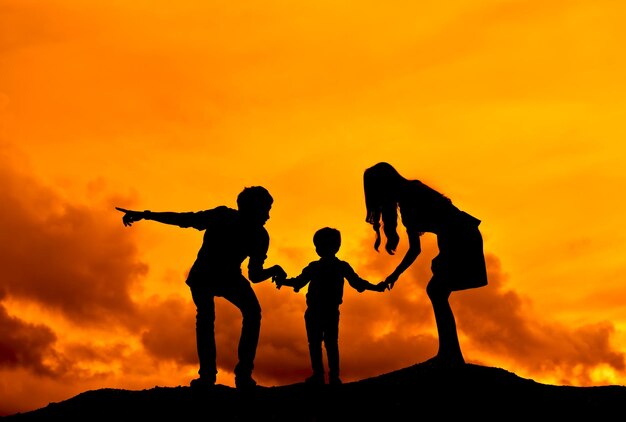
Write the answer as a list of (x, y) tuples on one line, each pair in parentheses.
[(26, 345), (69, 257), (77, 260), (71, 260), (169, 331)]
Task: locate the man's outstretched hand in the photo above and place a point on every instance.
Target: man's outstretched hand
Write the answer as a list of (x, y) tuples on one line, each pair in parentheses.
[(130, 216)]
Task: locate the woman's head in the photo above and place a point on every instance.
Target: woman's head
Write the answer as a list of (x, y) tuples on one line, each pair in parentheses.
[(381, 184)]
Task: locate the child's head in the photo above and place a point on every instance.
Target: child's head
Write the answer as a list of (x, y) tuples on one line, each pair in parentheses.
[(327, 241)]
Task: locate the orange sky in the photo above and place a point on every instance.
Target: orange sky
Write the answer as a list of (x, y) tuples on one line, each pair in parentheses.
[(513, 108)]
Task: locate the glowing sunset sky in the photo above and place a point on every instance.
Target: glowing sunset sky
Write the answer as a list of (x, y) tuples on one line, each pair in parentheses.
[(515, 109)]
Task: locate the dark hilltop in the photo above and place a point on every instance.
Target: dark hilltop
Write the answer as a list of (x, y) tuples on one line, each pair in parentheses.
[(418, 392)]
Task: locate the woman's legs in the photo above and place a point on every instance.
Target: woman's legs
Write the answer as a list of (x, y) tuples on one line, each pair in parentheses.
[(449, 347)]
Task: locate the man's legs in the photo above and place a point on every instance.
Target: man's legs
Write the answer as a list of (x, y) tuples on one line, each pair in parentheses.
[(205, 334), (241, 294)]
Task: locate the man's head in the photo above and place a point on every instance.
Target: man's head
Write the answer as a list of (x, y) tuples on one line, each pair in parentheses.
[(254, 204)]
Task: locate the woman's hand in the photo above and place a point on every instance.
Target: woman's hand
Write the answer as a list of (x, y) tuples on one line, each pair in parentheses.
[(391, 280)]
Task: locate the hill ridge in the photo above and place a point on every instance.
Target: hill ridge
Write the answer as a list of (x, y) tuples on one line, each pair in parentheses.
[(421, 389)]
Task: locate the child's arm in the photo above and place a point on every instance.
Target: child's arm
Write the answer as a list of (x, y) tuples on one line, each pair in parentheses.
[(360, 284), (296, 282), (280, 282)]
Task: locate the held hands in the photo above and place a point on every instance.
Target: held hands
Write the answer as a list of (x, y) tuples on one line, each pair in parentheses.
[(279, 276), (389, 282), (381, 287), (130, 216)]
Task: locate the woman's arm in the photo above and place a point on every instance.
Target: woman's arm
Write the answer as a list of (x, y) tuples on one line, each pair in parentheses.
[(411, 254)]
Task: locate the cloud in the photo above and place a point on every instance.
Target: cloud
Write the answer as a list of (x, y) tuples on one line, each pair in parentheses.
[(69, 257), (75, 262), (497, 325), (169, 331), (25, 345)]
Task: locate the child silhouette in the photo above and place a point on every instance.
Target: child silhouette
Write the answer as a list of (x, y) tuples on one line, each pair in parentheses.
[(325, 294)]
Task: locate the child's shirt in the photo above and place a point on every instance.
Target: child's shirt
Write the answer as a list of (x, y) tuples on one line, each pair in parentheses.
[(326, 279)]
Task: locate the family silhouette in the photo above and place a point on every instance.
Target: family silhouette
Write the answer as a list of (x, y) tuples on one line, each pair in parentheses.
[(233, 235)]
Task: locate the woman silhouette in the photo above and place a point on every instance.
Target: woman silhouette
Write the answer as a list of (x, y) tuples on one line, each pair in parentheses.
[(460, 263)]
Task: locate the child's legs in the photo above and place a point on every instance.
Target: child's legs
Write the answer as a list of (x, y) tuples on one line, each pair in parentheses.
[(331, 341), (314, 333)]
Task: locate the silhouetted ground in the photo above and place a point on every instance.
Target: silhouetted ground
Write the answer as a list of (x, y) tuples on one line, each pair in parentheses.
[(419, 392)]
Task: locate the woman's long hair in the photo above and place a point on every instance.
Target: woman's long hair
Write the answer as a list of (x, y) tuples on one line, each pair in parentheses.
[(383, 187), (381, 183)]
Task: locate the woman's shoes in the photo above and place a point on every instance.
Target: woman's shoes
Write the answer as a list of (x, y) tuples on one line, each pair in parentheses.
[(445, 362)]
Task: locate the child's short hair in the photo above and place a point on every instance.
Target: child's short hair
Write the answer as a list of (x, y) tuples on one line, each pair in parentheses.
[(254, 197), (327, 239)]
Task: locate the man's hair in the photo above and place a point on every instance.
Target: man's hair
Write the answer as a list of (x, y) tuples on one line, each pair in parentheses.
[(254, 197), (327, 239)]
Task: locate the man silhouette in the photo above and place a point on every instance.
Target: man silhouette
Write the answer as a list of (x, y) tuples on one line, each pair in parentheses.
[(230, 236)]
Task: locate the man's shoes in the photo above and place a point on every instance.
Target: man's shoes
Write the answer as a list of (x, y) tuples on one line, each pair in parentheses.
[(244, 382), (203, 383), (315, 379), (334, 381)]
